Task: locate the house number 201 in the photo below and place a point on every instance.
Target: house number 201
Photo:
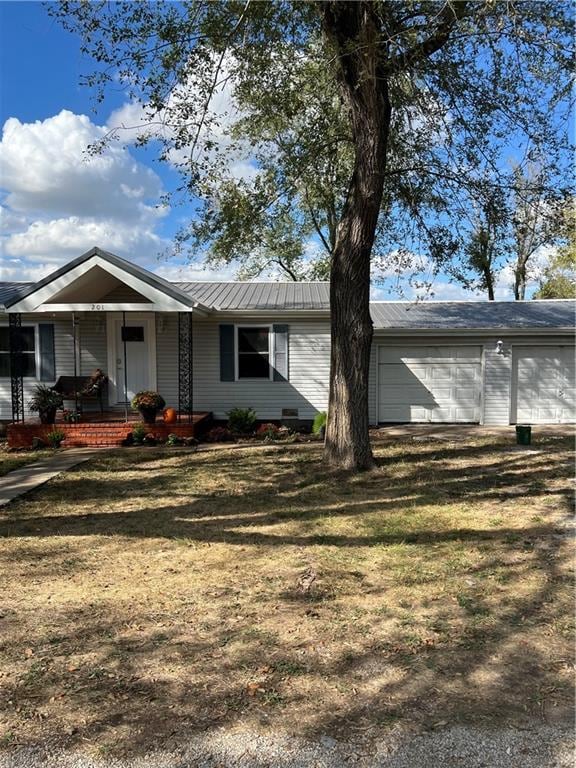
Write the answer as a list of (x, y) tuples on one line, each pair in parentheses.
[(97, 307)]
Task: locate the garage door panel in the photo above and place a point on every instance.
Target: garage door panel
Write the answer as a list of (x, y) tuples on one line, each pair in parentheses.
[(544, 384), (429, 384)]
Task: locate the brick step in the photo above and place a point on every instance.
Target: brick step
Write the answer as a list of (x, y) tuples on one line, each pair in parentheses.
[(94, 434)]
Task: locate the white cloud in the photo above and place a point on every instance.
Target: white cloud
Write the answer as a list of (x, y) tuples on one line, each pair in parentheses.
[(46, 170), (58, 240), (60, 201)]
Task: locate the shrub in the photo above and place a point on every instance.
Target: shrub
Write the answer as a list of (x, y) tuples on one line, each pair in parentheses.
[(71, 417), (139, 432), (55, 438), (219, 435), (268, 431), (173, 439), (241, 421), (319, 424)]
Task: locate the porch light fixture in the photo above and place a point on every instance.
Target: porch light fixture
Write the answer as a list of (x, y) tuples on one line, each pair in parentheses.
[(499, 347)]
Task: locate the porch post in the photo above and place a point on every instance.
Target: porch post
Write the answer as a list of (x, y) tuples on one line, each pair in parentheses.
[(16, 366), (75, 322), (125, 352), (185, 382)]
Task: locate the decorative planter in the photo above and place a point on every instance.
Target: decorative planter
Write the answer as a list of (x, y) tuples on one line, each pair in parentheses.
[(148, 415), (48, 416)]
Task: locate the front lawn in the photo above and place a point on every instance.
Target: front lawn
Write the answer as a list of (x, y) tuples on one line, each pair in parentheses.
[(148, 595), (10, 460)]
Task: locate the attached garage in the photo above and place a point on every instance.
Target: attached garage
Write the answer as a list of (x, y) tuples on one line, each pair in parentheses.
[(483, 362), (430, 384), (543, 384)]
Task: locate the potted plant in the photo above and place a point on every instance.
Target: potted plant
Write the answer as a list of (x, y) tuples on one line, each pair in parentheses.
[(45, 402), (148, 404)]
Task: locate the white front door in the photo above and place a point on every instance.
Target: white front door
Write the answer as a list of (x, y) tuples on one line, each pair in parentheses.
[(543, 385), (429, 384), (132, 356)]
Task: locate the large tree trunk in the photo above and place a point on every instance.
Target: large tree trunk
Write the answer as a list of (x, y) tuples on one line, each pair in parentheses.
[(354, 32)]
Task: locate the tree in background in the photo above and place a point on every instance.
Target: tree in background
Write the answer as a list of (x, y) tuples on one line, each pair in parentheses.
[(367, 127), (559, 278)]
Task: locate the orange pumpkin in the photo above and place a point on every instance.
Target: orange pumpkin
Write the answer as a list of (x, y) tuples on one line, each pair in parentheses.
[(170, 415)]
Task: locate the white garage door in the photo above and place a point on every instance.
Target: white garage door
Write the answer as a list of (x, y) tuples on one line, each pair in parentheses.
[(423, 384), (544, 383)]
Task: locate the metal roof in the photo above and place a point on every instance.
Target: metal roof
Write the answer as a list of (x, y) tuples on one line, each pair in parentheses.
[(11, 291), (315, 297), (260, 296), (463, 315)]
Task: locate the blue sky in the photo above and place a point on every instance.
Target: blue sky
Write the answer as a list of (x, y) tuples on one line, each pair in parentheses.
[(57, 202)]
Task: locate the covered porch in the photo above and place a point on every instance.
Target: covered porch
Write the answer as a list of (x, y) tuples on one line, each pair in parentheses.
[(101, 314)]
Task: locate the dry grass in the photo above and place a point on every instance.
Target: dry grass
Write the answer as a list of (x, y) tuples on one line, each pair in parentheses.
[(11, 460), (147, 595)]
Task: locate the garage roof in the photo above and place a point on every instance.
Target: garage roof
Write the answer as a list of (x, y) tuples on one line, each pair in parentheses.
[(463, 315)]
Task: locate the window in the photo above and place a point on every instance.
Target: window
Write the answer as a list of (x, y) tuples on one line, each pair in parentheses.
[(28, 344), (253, 352), (132, 333)]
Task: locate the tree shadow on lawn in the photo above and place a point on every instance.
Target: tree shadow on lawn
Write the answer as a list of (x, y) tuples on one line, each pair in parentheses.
[(154, 684), (133, 677), (283, 496)]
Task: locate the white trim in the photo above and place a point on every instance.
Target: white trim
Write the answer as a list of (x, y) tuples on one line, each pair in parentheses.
[(35, 301), (94, 308), (112, 324), (271, 350)]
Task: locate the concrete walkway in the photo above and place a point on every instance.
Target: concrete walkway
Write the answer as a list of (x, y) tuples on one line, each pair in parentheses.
[(31, 476)]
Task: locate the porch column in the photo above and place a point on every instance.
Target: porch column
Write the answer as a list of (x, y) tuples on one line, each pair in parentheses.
[(185, 383), (16, 366)]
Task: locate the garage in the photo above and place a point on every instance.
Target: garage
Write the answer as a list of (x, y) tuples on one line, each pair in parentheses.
[(429, 384), (543, 384)]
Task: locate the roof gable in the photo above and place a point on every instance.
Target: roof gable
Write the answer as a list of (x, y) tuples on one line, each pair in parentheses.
[(78, 282)]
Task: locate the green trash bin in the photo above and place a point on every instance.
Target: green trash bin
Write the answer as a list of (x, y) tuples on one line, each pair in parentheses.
[(523, 434)]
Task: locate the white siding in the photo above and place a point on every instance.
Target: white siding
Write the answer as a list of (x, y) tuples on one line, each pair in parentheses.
[(497, 384), (167, 358), (309, 366), (92, 334)]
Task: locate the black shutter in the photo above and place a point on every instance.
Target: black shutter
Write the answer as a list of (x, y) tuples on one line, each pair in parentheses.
[(280, 353), (227, 367), (47, 352)]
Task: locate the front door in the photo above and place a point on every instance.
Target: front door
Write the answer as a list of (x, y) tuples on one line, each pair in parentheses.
[(132, 363)]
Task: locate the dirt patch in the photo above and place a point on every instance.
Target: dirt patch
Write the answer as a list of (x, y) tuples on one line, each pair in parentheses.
[(149, 595)]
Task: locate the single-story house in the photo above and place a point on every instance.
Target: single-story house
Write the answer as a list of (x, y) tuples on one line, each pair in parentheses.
[(210, 346)]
